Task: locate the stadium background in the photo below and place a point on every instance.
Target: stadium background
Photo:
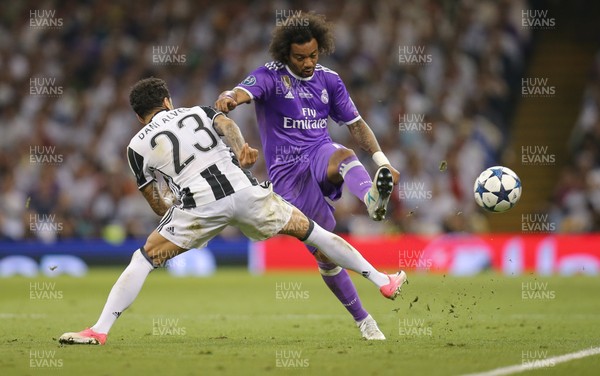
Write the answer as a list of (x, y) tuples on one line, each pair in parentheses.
[(439, 82), (469, 82)]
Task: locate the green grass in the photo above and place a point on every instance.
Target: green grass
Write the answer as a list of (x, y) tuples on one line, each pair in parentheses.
[(234, 324)]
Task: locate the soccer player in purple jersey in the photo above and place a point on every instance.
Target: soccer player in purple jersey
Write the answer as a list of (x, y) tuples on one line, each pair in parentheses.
[(293, 98), (210, 189)]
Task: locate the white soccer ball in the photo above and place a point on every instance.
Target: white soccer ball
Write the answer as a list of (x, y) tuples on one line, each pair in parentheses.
[(497, 189)]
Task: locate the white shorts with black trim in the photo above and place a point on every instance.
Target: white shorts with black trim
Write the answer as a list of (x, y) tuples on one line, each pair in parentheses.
[(257, 211)]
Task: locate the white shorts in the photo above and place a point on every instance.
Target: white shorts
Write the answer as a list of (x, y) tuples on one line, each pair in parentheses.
[(257, 211)]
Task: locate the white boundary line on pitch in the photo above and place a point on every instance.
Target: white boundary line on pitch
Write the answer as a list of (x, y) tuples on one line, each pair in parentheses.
[(535, 365)]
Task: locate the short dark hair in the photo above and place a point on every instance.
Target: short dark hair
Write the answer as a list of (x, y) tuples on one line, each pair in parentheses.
[(148, 94), (301, 28)]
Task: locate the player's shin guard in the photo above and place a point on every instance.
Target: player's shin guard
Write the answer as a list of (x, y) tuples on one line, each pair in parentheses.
[(343, 254), (340, 283), (124, 291), (355, 176)]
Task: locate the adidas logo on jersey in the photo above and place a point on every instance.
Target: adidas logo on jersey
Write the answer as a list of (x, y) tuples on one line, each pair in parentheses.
[(274, 65), (289, 95), (170, 230)]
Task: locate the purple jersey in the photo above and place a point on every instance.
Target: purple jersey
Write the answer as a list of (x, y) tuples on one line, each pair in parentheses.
[(292, 112)]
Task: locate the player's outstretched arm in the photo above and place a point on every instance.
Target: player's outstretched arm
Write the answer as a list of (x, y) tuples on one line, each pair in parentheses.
[(230, 131), (155, 199), (363, 135), (230, 99)]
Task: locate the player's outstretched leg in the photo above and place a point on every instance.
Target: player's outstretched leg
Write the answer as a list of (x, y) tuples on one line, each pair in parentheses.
[(342, 253), (123, 293), (346, 256), (125, 290)]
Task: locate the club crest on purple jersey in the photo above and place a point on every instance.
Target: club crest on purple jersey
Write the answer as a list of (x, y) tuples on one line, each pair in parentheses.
[(324, 96)]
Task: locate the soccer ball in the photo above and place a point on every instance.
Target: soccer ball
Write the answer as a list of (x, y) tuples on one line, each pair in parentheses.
[(497, 189)]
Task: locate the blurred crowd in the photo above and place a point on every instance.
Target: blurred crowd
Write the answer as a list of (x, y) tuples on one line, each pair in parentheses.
[(575, 205), (434, 79)]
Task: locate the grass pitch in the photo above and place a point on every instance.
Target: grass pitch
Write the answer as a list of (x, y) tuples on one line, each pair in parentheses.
[(235, 323)]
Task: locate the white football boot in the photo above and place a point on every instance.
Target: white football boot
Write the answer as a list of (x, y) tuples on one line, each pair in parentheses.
[(379, 195), (369, 329)]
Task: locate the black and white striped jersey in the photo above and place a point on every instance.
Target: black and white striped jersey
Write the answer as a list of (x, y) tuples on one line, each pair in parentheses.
[(183, 146)]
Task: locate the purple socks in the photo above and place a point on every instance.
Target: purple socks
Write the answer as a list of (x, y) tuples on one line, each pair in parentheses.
[(337, 279), (339, 282), (355, 176)]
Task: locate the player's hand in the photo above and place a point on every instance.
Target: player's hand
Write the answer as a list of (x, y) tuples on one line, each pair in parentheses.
[(395, 174), (248, 156), (225, 104)]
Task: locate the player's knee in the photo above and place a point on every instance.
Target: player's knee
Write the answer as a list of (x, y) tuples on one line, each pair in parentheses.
[(158, 256), (298, 225), (344, 153), (159, 250), (330, 272), (320, 257), (333, 169)]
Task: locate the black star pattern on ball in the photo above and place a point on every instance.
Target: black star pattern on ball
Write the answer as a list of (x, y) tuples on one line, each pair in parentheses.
[(502, 194), (480, 189), (497, 172)]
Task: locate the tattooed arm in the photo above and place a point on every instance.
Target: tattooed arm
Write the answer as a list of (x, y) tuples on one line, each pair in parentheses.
[(156, 200), (233, 137), (363, 135)]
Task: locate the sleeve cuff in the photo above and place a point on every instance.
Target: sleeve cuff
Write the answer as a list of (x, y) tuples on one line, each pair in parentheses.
[(351, 121), (245, 90)]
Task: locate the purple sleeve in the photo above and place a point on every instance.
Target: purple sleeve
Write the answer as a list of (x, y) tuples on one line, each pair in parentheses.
[(259, 84), (343, 110)]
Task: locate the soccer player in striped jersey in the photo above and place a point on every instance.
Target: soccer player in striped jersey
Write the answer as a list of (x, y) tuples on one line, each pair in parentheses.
[(212, 189), (293, 99)]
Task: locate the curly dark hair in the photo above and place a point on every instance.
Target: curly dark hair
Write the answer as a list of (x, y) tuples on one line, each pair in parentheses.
[(148, 94), (301, 28)]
